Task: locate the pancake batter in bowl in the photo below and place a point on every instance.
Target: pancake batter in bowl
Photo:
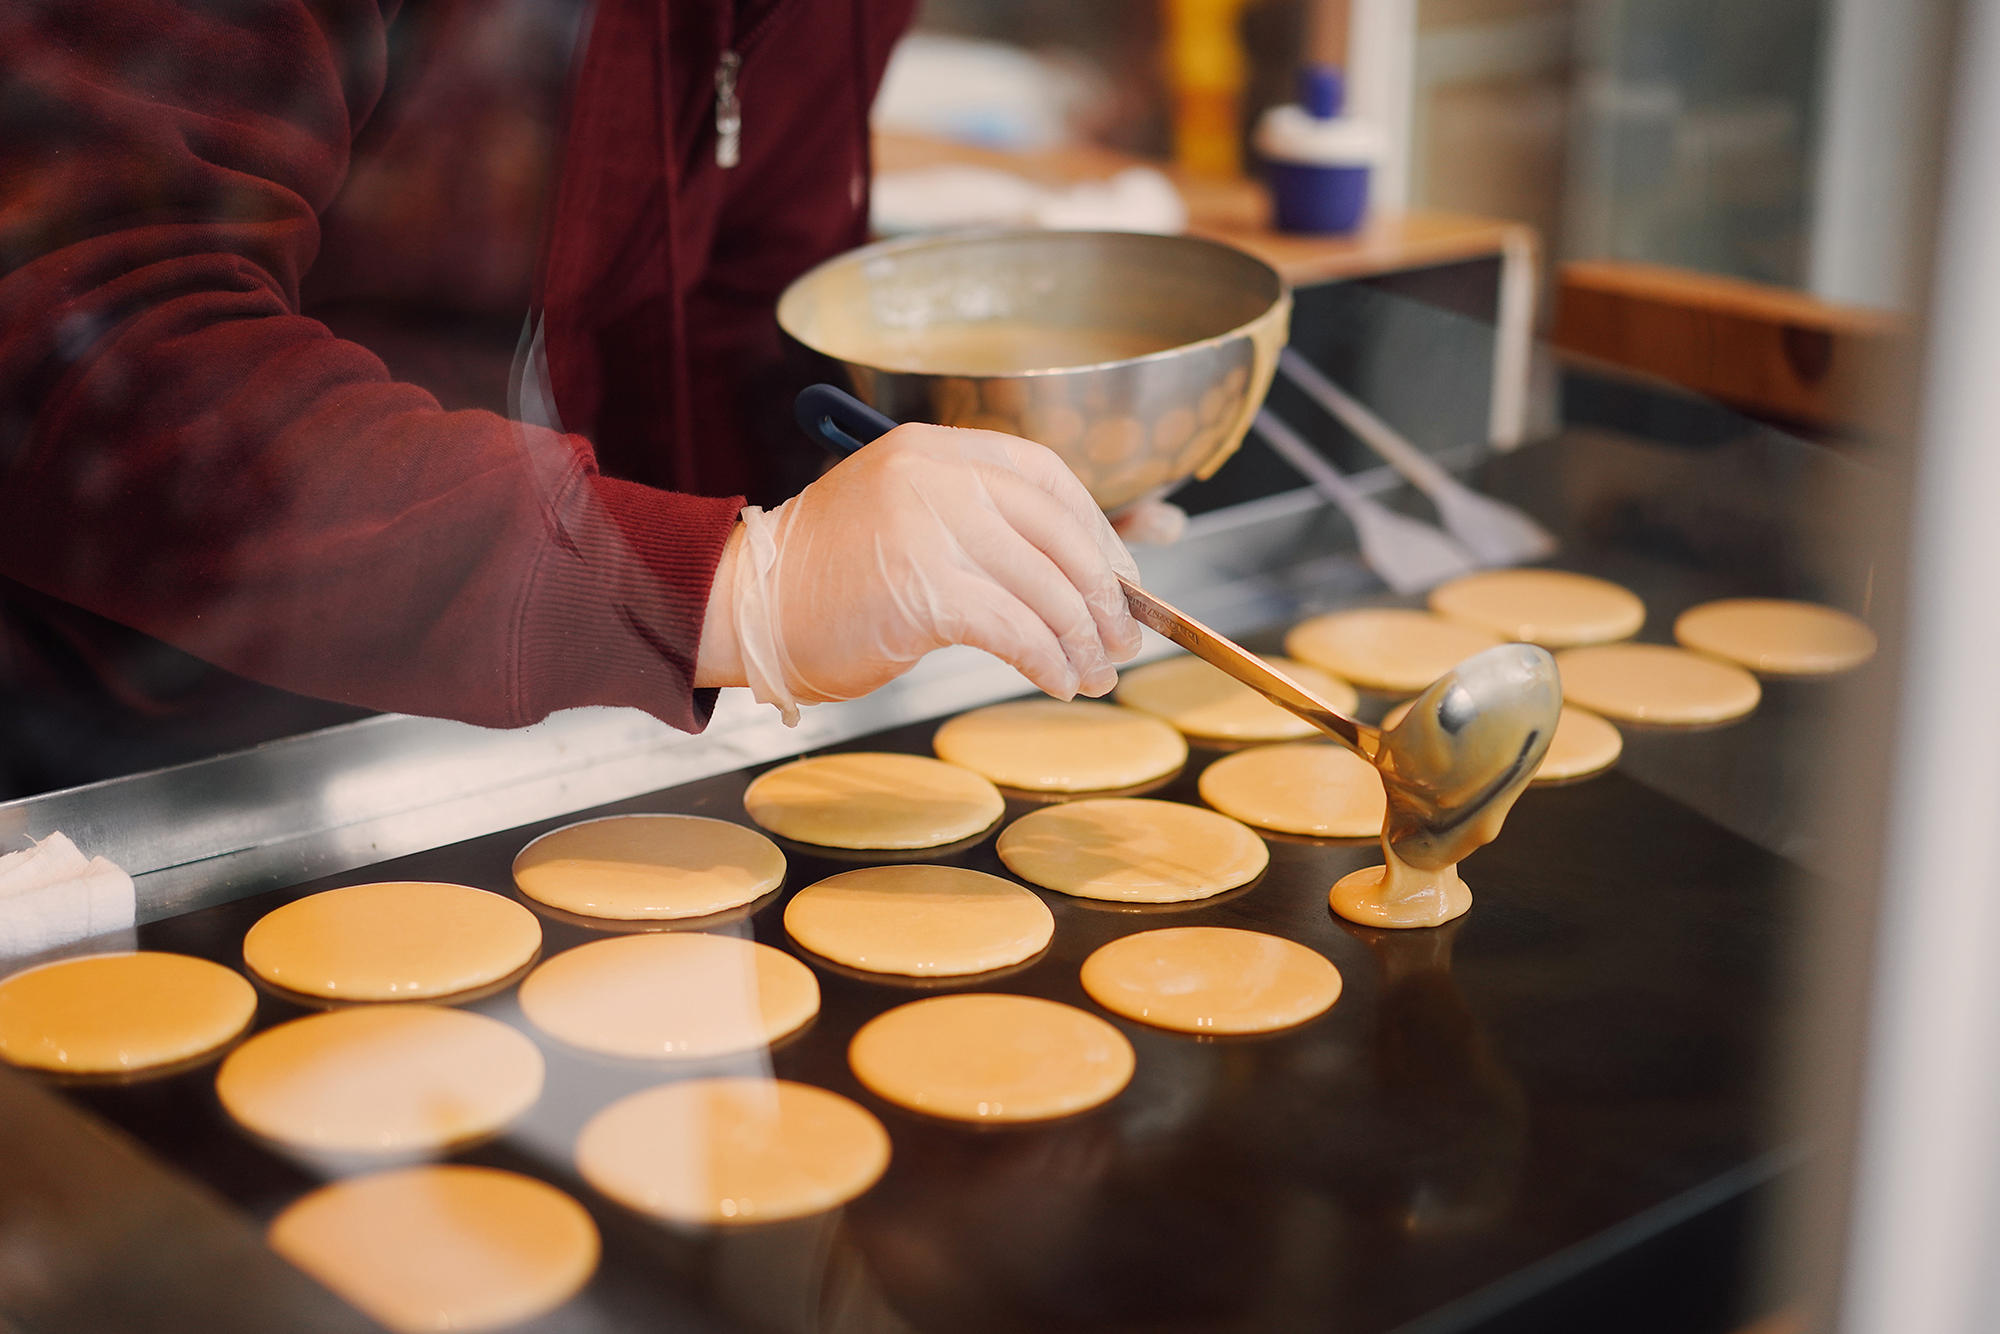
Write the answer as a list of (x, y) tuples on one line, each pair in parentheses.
[(1000, 347)]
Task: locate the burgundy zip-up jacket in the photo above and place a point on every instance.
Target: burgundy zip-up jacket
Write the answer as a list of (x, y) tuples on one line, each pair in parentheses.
[(187, 458)]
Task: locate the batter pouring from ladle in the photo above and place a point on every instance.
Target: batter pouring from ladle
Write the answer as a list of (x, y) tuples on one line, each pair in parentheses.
[(1451, 768)]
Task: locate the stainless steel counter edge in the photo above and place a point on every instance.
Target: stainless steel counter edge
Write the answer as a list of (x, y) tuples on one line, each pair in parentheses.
[(329, 801)]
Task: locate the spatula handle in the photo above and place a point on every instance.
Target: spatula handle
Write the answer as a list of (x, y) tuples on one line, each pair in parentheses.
[(837, 419)]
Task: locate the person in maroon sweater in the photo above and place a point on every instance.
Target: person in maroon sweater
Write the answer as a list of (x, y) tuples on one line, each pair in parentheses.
[(199, 471)]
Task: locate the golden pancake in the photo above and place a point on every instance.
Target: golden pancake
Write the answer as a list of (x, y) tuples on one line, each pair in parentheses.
[(677, 994), (920, 921), (989, 1057), (1211, 979), (1386, 648), (1202, 701), (381, 1079), (1777, 637), (109, 1013), (732, 1151), (402, 940), (1314, 788), (865, 799), (445, 1247), (1553, 608), (1047, 745), (1132, 850), (636, 867), (1655, 684)]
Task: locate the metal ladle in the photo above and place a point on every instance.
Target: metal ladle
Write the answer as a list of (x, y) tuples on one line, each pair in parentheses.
[(1451, 768)]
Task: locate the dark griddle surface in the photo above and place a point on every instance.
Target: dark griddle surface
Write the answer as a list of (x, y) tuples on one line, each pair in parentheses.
[(1594, 1040)]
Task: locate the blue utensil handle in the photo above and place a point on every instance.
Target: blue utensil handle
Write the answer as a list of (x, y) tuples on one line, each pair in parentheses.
[(837, 419)]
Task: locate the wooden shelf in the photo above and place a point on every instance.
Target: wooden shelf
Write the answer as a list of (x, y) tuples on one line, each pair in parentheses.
[(1237, 211)]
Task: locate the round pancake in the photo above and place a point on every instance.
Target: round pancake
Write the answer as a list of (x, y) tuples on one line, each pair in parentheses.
[(113, 1013), (1205, 702), (1048, 745), (727, 1151), (1655, 684), (638, 867), (1387, 649), (1211, 979), (992, 1058), (442, 1247), (1313, 788), (867, 799), (401, 940), (920, 921), (1132, 850), (1583, 744), (1777, 637), (1553, 608), (381, 1079), (677, 994)]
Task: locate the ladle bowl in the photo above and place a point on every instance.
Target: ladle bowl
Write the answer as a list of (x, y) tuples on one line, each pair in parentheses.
[(1466, 749), (1139, 359)]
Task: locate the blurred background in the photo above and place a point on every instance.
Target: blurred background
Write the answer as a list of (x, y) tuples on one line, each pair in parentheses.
[(1703, 283)]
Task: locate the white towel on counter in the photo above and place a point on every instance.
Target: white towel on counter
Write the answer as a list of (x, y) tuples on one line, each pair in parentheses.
[(931, 199), (51, 894)]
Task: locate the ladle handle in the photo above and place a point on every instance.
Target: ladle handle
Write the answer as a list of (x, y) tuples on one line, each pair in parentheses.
[(837, 419), (1228, 656)]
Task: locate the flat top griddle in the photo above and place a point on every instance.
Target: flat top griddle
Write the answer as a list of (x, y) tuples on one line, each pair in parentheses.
[(1553, 1113), (1593, 1040)]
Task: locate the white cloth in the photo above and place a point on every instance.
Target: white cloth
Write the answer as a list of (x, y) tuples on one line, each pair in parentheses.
[(51, 894), (929, 199)]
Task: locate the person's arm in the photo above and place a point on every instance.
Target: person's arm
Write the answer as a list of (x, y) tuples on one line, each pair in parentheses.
[(183, 453)]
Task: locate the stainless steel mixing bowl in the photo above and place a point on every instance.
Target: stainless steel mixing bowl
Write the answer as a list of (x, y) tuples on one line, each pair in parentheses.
[(1132, 426)]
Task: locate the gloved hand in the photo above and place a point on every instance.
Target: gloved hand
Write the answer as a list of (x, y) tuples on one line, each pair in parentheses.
[(1153, 523), (927, 537)]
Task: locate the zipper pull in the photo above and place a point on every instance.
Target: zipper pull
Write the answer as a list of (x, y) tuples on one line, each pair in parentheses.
[(728, 111)]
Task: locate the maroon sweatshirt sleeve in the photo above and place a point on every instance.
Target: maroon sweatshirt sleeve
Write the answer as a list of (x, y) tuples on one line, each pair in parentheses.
[(183, 453)]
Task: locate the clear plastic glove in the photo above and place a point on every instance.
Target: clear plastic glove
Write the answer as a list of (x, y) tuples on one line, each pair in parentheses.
[(927, 537), (1153, 523)]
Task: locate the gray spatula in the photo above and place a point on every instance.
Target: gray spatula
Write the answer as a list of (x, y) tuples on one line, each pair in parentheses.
[(1408, 554), (1495, 533)]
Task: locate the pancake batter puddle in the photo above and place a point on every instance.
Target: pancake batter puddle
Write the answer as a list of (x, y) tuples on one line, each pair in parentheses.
[(381, 1079), (1777, 637), (445, 1247), (1047, 745), (873, 800), (677, 995), (1553, 608), (1207, 703), (920, 921), (1316, 789), (1652, 683), (649, 867), (402, 940), (1211, 979), (1132, 850), (731, 1151), (120, 1013), (1388, 649), (1397, 894), (991, 1058)]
